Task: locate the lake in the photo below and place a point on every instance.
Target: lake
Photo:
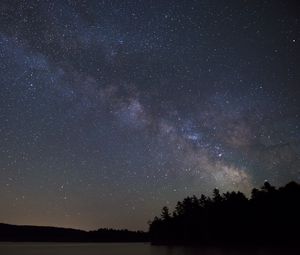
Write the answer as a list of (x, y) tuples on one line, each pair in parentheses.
[(115, 249)]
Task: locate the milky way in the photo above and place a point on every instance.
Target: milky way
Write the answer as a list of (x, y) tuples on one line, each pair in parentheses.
[(111, 109)]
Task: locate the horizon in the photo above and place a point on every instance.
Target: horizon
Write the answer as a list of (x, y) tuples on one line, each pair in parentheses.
[(110, 110), (62, 227), (172, 208)]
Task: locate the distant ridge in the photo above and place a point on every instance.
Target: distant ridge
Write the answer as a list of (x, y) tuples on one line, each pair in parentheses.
[(27, 233)]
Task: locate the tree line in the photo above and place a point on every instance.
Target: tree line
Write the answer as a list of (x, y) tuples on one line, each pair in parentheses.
[(270, 216), (15, 233)]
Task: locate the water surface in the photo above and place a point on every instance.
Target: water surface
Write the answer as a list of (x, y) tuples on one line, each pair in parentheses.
[(117, 249)]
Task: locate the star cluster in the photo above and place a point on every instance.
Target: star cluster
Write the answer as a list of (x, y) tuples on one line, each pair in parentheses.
[(111, 109)]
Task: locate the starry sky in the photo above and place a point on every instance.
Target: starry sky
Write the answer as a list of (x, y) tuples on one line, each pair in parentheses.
[(110, 110)]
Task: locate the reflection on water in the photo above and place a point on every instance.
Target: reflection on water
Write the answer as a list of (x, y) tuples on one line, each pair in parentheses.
[(118, 249)]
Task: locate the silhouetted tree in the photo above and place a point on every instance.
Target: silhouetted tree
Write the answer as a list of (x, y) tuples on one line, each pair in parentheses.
[(165, 215), (270, 215), (267, 187), (217, 198)]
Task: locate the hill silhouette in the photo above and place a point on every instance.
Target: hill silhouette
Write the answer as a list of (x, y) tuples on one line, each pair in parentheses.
[(270, 217), (14, 233)]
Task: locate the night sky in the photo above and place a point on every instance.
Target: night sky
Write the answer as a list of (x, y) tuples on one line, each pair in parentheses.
[(110, 110)]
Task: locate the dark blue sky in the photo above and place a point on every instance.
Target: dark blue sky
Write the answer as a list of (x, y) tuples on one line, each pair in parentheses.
[(111, 109)]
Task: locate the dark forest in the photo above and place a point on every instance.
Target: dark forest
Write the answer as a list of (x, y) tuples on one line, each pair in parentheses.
[(269, 217)]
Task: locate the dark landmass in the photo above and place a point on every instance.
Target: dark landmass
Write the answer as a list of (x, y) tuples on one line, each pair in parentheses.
[(14, 233), (271, 217)]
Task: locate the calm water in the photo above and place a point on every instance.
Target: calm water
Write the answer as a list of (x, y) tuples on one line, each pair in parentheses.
[(114, 249)]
